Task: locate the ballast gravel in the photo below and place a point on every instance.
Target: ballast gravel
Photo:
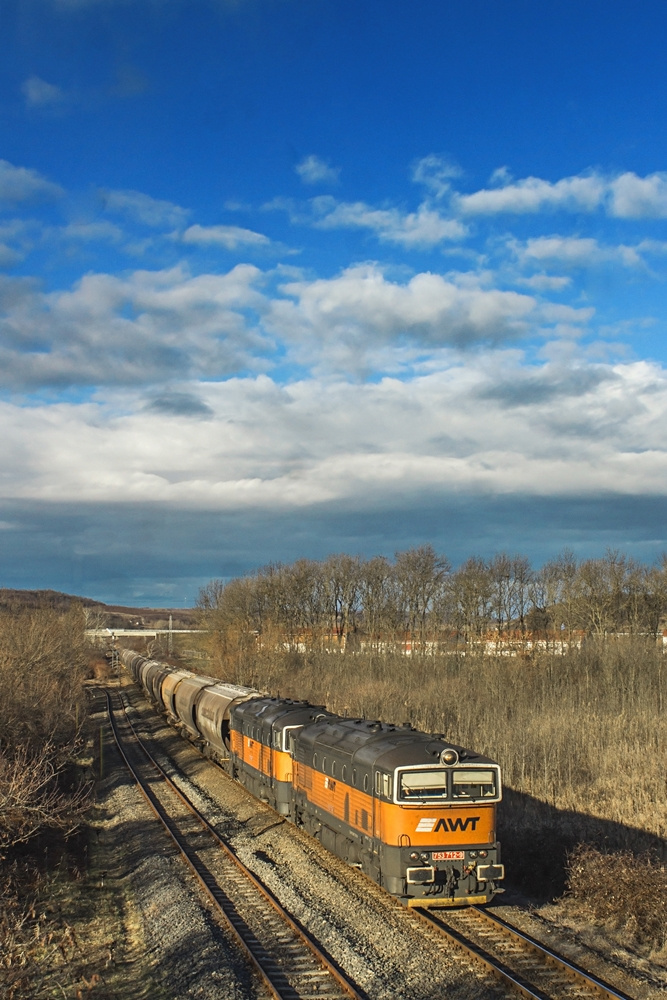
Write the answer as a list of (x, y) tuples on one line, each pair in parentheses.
[(184, 953)]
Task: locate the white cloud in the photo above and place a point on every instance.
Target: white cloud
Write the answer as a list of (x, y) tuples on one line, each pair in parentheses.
[(142, 208), (139, 329), (22, 184), (425, 227), (634, 197), (435, 173), (546, 282), (555, 312), (147, 326), (532, 194), (39, 94), (340, 320), (576, 251), (9, 255), (229, 237), (15, 241), (625, 196), (92, 232), (491, 425), (313, 170), (501, 176)]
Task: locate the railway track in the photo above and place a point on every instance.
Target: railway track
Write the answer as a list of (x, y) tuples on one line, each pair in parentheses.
[(287, 959), (515, 958)]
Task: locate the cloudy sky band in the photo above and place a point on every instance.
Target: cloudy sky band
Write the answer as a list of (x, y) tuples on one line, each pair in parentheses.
[(259, 269)]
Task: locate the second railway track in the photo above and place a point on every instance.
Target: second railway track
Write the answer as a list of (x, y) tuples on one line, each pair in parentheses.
[(516, 959), (288, 961)]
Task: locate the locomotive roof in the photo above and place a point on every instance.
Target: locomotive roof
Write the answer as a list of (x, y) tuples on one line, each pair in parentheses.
[(286, 711), (378, 744), (369, 743)]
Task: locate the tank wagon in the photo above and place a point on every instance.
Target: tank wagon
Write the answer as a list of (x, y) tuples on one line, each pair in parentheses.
[(413, 811)]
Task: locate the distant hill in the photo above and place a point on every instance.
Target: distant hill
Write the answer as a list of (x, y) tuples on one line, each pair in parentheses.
[(110, 615), (15, 599)]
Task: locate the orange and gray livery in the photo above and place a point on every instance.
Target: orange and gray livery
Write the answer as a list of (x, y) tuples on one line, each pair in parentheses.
[(415, 812)]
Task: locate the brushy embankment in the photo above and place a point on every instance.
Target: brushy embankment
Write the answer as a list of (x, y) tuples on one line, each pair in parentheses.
[(581, 738), (623, 891), (43, 662)]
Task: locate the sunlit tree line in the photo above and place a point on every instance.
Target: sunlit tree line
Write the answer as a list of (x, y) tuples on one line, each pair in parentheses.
[(419, 599)]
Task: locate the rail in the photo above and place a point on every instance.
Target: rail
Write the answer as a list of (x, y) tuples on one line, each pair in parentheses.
[(288, 960)]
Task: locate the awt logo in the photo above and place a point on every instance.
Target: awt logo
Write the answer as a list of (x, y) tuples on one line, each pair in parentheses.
[(431, 825)]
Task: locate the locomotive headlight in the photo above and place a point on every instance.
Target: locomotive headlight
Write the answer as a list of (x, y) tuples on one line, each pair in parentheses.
[(425, 857), (473, 854), (449, 756), (483, 854), (414, 856)]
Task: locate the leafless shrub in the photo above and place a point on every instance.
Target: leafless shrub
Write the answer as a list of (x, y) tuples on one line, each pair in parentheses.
[(622, 891), (31, 796), (43, 661)]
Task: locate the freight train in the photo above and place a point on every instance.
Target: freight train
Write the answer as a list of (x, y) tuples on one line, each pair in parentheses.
[(413, 811)]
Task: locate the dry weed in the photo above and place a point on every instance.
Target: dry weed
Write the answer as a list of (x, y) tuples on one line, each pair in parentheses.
[(622, 890)]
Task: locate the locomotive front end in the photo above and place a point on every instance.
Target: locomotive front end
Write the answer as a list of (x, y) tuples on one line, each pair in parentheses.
[(442, 821)]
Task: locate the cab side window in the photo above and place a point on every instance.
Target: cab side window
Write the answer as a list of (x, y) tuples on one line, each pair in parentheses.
[(383, 784)]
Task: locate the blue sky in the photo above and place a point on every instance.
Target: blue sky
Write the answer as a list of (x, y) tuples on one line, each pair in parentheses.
[(281, 279)]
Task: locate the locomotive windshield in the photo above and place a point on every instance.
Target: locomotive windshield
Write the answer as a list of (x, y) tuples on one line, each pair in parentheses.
[(440, 784), (423, 784), (469, 784)]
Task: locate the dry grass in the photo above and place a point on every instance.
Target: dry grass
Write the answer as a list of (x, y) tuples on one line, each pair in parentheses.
[(41, 941)]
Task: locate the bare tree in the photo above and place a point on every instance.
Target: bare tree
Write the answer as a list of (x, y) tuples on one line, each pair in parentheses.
[(376, 590), (420, 575), (561, 574), (94, 617), (654, 596), (472, 594), (543, 591), (342, 584), (601, 592)]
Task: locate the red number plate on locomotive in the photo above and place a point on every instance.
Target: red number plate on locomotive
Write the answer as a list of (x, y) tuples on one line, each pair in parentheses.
[(448, 855)]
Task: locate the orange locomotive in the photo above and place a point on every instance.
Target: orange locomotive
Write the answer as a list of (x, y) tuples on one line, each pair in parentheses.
[(414, 812)]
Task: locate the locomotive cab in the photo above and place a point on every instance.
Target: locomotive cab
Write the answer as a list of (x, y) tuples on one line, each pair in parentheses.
[(447, 853), (416, 814)]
